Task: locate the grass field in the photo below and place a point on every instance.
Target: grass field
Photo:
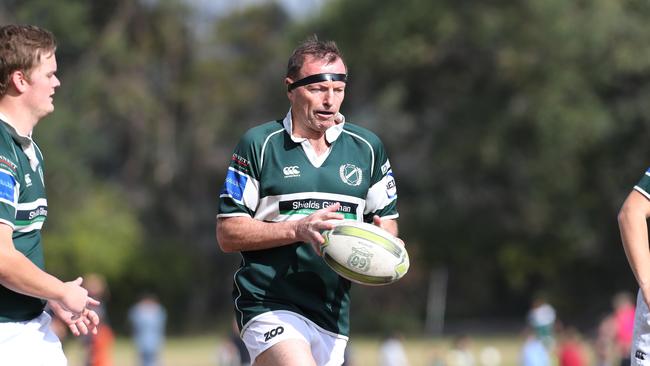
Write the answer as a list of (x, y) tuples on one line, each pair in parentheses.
[(202, 350)]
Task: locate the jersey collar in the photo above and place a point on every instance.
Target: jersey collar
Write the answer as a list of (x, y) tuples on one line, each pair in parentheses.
[(331, 134)]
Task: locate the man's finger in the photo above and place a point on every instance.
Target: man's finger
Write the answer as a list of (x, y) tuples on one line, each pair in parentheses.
[(92, 301), (82, 327), (332, 208), (74, 330)]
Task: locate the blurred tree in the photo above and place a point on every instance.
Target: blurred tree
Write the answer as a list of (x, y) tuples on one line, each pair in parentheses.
[(499, 113), (515, 130)]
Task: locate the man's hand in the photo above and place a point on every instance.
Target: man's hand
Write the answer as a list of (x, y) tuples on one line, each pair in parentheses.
[(75, 298), (309, 229), (83, 323), (388, 225)]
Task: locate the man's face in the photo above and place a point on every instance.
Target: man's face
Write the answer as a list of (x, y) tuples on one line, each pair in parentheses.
[(41, 82), (314, 106)]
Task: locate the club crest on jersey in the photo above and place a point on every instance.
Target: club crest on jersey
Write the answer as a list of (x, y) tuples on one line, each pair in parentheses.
[(351, 174)]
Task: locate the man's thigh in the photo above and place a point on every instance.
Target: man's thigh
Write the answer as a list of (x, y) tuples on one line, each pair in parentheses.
[(291, 340), (290, 352)]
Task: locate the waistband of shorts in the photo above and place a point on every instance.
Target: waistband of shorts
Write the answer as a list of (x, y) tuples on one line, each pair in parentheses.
[(320, 329)]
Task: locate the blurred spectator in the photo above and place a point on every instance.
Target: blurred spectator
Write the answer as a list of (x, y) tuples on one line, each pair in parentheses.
[(391, 351), (624, 326), (541, 317), (460, 353), (435, 358), (490, 356), (604, 342), (148, 320), (533, 351), (99, 346), (233, 351), (570, 351)]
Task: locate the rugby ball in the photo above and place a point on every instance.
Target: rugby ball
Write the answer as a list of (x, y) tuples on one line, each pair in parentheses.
[(364, 253)]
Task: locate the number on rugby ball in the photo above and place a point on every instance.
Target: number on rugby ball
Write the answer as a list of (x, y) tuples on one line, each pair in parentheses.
[(364, 253)]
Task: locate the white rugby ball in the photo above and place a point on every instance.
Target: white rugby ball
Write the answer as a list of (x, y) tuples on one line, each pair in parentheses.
[(364, 253)]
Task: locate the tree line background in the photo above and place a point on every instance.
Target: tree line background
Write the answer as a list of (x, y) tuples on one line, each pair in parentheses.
[(515, 130)]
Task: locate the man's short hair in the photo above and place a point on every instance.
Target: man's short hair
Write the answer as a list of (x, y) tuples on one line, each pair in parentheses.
[(21, 48), (321, 50)]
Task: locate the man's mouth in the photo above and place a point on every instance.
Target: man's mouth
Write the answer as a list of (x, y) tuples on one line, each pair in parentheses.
[(325, 114)]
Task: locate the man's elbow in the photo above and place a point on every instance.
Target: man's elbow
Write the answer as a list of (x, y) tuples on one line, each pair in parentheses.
[(225, 241), (622, 216), (629, 213)]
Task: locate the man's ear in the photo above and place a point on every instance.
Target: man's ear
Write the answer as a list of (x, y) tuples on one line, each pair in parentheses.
[(287, 82), (19, 81)]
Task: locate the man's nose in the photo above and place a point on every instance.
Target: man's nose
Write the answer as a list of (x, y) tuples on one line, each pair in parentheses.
[(328, 96)]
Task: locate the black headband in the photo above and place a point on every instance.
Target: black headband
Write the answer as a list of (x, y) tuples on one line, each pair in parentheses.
[(317, 78)]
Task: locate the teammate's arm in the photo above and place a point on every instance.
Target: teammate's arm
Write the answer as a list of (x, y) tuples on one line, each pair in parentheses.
[(19, 274), (632, 222), (243, 233)]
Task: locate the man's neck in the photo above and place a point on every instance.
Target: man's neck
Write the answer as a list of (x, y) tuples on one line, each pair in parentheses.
[(17, 118), (317, 139)]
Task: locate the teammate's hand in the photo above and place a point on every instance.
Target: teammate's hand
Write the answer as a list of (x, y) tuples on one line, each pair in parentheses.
[(75, 298), (309, 229), (86, 322)]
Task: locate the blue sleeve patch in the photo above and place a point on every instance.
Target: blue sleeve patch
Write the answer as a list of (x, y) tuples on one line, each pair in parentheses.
[(7, 186), (391, 186), (234, 184)]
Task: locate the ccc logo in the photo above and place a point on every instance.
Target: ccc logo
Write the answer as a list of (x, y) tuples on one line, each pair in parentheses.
[(291, 170), (272, 333)]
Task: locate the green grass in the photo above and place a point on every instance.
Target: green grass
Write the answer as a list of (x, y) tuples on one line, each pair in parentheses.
[(202, 350)]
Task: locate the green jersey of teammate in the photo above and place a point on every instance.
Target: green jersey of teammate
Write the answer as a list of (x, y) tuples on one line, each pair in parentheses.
[(23, 206), (643, 186), (274, 176)]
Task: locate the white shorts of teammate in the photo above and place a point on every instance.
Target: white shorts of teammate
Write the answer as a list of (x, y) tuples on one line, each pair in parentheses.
[(30, 343), (268, 329), (640, 350)]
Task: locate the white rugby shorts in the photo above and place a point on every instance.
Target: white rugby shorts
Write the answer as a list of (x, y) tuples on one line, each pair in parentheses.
[(268, 329), (30, 343), (640, 350)]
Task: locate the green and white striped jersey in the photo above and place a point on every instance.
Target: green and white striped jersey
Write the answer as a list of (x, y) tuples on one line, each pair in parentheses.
[(274, 176), (23, 206)]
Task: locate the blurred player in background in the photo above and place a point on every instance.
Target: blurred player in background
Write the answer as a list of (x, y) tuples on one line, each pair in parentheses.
[(541, 318), (148, 319), (287, 181), (99, 346), (633, 225), (27, 84)]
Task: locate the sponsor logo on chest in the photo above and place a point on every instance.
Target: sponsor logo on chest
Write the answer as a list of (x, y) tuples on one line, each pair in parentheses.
[(291, 171)]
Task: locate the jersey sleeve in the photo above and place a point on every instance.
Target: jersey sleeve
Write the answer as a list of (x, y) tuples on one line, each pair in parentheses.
[(240, 192), (9, 190), (382, 195), (643, 186)]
